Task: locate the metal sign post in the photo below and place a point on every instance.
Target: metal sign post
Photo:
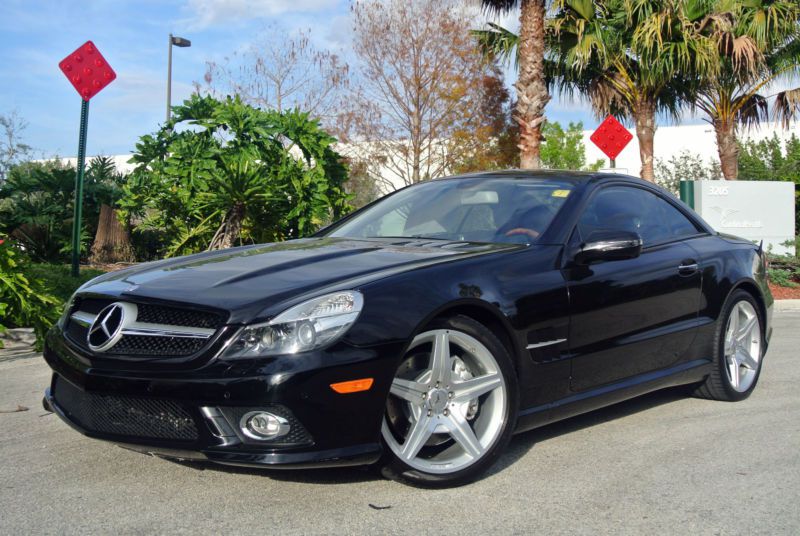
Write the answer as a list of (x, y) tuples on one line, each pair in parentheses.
[(78, 213), (88, 72)]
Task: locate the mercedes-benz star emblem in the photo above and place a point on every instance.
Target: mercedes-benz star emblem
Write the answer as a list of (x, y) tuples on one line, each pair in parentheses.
[(107, 328)]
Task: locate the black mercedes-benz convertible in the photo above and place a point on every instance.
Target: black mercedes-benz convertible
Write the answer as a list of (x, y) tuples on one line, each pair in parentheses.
[(418, 333)]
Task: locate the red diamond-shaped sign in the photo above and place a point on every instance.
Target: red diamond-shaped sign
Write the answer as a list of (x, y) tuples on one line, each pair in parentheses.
[(611, 137), (87, 70)]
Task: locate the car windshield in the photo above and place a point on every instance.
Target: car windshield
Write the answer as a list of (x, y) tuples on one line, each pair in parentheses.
[(475, 210)]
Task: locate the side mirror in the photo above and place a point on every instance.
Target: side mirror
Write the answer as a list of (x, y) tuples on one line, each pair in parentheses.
[(609, 246)]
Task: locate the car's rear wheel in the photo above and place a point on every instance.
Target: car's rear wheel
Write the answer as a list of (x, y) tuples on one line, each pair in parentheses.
[(739, 349), (452, 404)]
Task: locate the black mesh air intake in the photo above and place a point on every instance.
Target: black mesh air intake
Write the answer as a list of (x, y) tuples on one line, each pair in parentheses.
[(124, 415), (139, 345), (157, 314)]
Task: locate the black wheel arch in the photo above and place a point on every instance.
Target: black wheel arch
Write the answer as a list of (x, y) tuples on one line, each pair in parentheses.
[(482, 312), (750, 286)]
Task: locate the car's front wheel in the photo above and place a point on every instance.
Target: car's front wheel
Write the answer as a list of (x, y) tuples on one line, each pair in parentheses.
[(452, 405)]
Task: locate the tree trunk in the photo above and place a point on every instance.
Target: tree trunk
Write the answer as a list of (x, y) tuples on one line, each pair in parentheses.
[(112, 243), (645, 118), (228, 233), (728, 148), (532, 94)]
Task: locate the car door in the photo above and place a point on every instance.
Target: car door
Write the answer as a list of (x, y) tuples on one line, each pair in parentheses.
[(632, 316)]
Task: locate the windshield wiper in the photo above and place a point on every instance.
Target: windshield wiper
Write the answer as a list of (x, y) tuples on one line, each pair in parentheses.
[(417, 237)]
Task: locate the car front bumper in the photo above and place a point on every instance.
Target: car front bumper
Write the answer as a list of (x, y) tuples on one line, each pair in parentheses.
[(194, 413)]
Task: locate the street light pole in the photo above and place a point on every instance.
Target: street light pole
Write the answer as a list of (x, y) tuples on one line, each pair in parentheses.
[(169, 78), (178, 42)]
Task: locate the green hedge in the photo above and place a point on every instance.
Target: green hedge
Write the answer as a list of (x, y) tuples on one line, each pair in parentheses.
[(57, 279), (33, 295)]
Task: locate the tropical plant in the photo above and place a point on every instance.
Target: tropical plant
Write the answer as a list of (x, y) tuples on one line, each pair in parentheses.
[(37, 200), (222, 173), (3, 329), (631, 58), (531, 86), (23, 302), (756, 44), (57, 278)]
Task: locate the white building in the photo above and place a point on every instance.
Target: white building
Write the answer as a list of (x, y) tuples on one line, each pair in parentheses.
[(673, 140)]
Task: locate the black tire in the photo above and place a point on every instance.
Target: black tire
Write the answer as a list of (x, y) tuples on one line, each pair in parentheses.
[(394, 468), (717, 386)]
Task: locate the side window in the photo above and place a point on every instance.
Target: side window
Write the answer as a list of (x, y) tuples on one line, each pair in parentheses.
[(628, 208), (678, 224)]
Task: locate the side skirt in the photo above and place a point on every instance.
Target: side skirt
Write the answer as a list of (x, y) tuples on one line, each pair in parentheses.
[(682, 374)]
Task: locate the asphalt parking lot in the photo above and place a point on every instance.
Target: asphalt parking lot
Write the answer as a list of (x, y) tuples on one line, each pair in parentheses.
[(662, 463)]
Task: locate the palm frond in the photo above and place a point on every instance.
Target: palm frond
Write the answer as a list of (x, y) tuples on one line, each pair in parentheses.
[(787, 106), (498, 43), (786, 56), (499, 6), (752, 110), (743, 51)]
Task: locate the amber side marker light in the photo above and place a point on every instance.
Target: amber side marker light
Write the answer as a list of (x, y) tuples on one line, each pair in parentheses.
[(353, 386)]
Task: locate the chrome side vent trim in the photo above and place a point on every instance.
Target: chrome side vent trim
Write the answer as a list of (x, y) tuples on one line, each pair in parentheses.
[(544, 343)]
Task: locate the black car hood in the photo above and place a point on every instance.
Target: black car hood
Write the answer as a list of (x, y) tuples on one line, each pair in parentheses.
[(249, 281)]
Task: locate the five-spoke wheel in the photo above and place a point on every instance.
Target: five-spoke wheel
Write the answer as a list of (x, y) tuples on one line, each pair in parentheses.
[(742, 346), (739, 350), (450, 404)]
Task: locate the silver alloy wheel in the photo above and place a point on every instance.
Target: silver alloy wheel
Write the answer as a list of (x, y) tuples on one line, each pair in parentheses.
[(440, 401), (742, 346)]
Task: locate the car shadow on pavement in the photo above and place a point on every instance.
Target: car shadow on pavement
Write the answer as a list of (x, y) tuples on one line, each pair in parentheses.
[(338, 475), (517, 449)]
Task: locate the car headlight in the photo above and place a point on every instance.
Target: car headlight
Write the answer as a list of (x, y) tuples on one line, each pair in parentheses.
[(307, 326)]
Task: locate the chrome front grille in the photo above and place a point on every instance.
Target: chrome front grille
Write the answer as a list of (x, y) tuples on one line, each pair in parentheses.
[(123, 328)]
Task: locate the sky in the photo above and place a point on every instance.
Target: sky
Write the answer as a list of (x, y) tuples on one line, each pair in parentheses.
[(133, 35)]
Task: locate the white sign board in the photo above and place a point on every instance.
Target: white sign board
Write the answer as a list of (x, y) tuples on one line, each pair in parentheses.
[(756, 210)]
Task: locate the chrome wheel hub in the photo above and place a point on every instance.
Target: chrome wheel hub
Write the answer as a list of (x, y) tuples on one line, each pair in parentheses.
[(453, 397), (742, 346), (438, 400)]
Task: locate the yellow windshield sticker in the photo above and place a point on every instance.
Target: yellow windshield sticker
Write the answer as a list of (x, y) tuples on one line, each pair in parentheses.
[(560, 193)]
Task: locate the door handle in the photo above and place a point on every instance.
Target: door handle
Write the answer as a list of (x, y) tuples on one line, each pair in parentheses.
[(688, 267)]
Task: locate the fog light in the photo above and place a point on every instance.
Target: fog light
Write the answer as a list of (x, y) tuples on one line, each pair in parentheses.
[(262, 425)]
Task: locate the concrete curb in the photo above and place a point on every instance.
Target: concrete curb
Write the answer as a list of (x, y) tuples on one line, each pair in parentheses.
[(787, 305)]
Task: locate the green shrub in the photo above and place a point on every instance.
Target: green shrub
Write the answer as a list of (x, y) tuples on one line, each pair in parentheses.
[(24, 302), (2, 327), (37, 204), (57, 278), (782, 278), (784, 270)]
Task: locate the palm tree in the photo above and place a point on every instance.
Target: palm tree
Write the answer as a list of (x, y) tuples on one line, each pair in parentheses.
[(532, 92), (607, 50), (592, 50), (759, 45)]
